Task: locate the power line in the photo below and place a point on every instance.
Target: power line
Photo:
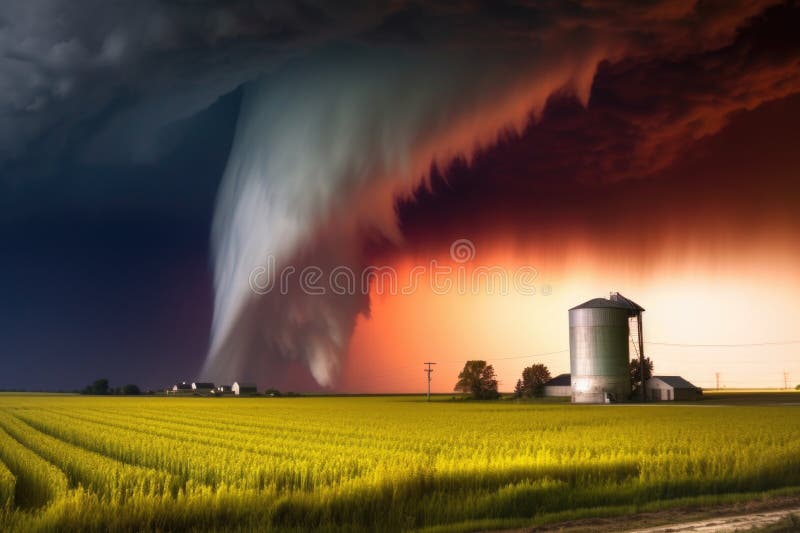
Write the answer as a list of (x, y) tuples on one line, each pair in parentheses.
[(743, 345), (529, 356)]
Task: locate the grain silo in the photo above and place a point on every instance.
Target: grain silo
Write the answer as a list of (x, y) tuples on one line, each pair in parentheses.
[(599, 348)]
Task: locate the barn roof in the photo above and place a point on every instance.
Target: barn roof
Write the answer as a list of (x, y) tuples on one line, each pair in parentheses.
[(243, 385), (182, 386), (617, 301), (676, 382), (200, 385), (561, 380)]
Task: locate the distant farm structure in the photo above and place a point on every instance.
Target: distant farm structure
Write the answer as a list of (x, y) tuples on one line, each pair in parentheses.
[(559, 386), (181, 389), (202, 389), (665, 388), (198, 388), (244, 389)]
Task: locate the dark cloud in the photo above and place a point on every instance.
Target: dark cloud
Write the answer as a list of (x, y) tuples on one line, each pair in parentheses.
[(130, 68), (732, 192), (701, 144), (63, 64)]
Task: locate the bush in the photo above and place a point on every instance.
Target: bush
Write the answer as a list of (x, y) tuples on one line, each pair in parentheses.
[(99, 387), (131, 390)]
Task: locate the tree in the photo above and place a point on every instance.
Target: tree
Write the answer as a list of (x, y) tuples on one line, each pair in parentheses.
[(100, 386), (636, 375), (478, 380), (533, 379), (131, 390), (519, 390)]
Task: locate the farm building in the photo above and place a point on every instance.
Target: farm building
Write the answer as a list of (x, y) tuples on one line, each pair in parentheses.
[(202, 388), (181, 388), (222, 390), (600, 335), (243, 389), (560, 385), (666, 388)]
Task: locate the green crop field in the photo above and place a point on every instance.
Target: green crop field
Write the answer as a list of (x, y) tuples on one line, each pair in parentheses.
[(375, 463)]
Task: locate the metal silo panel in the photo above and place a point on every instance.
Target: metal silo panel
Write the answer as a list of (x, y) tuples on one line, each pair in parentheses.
[(599, 354)]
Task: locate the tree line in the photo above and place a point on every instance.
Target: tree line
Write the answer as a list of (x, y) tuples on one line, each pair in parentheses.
[(101, 387), (479, 380)]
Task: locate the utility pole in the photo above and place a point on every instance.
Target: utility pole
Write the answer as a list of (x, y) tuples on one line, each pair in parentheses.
[(641, 353), (785, 380), (429, 370), (717, 374)]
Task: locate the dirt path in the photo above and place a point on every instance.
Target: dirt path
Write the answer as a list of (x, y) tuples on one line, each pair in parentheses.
[(725, 524), (740, 516)]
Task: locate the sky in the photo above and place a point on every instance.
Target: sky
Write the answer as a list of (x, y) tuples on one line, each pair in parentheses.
[(156, 159)]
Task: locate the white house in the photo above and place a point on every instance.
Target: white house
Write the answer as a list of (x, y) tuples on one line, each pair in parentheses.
[(181, 388), (244, 389), (202, 388), (560, 385), (666, 388)]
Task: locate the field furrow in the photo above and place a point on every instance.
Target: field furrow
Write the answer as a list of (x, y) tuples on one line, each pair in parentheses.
[(194, 459), (7, 486), (264, 443), (38, 481), (114, 480)]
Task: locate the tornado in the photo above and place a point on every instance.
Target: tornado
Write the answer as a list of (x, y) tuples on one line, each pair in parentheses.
[(324, 147)]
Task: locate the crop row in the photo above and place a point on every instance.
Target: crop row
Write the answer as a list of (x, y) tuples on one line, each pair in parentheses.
[(112, 479), (37, 481), (7, 485)]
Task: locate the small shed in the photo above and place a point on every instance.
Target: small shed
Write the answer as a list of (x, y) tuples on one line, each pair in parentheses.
[(667, 388), (559, 386), (202, 388), (244, 389), (181, 388)]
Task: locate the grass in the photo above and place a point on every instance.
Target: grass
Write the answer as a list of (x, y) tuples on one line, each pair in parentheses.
[(377, 463)]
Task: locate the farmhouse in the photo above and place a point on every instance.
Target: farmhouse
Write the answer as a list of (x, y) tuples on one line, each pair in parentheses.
[(666, 388), (244, 389), (202, 388), (222, 390), (181, 388), (560, 385)]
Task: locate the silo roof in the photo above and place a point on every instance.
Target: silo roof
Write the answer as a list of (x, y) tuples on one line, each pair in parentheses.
[(622, 303)]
